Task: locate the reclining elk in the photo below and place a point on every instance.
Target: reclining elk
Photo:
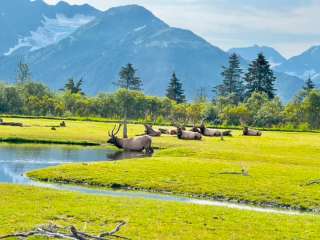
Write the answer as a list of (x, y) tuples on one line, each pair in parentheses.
[(213, 132), (187, 135), (138, 144), (151, 132), (250, 132)]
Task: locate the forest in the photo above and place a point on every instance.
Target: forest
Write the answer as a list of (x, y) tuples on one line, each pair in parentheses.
[(242, 99)]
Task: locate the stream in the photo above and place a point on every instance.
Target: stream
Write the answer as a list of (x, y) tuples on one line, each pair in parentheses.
[(17, 159)]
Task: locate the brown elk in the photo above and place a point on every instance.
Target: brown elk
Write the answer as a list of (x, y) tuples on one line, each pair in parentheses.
[(151, 132), (213, 132), (187, 135), (250, 132), (138, 144)]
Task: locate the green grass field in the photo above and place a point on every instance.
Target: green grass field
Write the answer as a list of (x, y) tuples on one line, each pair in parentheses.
[(26, 207), (280, 166)]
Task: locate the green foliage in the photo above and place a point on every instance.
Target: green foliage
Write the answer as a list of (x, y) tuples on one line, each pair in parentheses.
[(311, 107), (179, 114), (175, 90), (235, 115), (196, 113), (35, 99), (309, 85), (232, 85), (260, 77), (129, 79), (74, 87)]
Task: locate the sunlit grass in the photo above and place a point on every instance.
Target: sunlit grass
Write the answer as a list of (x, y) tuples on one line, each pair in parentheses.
[(23, 208), (280, 165)]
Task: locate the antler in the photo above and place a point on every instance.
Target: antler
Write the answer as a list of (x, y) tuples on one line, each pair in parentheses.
[(120, 125), (111, 134)]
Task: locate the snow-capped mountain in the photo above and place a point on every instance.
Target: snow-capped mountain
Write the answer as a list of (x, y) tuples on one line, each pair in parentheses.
[(31, 25), (250, 53), (96, 49), (304, 65)]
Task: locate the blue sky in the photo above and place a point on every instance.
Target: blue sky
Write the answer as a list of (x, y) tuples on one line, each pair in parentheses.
[(290, 26)]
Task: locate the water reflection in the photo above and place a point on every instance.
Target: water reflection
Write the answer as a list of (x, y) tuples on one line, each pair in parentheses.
[(115, 156), (16, 159)]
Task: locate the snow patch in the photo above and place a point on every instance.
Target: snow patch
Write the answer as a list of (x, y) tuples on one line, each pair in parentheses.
[(139, 28), (51, 31)]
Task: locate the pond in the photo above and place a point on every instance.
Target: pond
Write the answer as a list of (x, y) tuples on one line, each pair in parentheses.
[(17, 159)]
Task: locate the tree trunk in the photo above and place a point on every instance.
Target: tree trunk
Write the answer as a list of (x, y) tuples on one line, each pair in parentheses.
[(125, 128), (125, 117)]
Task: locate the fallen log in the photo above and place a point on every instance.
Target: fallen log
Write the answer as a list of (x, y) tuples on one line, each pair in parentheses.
[(70, 233)]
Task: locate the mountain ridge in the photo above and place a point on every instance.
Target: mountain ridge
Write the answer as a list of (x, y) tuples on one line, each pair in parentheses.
[(250, 53), (98, 49)]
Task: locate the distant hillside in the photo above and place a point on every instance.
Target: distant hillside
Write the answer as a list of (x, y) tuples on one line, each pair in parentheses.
[(250, 53), (304, 65)]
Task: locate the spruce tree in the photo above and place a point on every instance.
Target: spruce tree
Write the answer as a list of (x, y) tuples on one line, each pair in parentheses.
[(175, 91), (260, 77), (129, 81), (309, 85), (232, 84)]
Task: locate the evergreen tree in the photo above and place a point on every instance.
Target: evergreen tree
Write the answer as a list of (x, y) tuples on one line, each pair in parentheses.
[(23, 72), (129, 81), (175, 91), (74, 87), (232, 84), (260, 77), (309, 85)]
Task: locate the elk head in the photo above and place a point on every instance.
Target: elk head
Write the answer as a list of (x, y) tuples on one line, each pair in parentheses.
[(113, 135)]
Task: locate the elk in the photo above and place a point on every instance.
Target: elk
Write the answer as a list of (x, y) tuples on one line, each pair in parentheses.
[(151, 132), (138, 144), (250, 132), (195, 129), (164, 131), (187, 135), (168, 132), (213, 132)]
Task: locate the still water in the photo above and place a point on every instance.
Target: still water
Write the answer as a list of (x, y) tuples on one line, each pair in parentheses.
[(17, 159)]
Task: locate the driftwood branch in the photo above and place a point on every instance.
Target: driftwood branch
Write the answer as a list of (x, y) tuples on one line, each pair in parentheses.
[(70, 233)]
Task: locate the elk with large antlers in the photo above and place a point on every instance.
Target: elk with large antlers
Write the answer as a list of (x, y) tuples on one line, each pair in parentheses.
[(138, 144)]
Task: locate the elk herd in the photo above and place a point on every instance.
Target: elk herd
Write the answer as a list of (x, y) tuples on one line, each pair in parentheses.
[(144, 142)]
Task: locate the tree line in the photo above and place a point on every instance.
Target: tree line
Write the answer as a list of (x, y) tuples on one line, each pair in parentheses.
[(241, 99)]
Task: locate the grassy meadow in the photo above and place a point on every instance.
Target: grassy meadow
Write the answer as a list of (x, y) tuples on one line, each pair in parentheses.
[(26, 207), (283, 170)]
